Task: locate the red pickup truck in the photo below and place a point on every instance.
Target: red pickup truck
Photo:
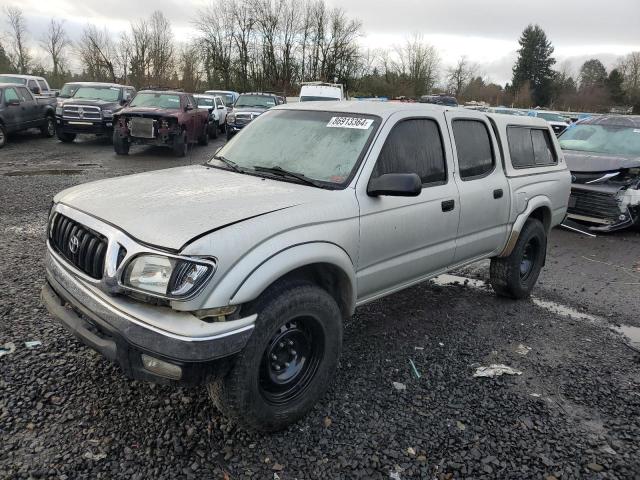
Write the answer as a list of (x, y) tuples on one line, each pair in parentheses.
[(165, 118)]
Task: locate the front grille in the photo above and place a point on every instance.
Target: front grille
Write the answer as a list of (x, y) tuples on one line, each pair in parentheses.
[(81, 112), (89, 247), (243, 118), (142, 127), (600, 205)]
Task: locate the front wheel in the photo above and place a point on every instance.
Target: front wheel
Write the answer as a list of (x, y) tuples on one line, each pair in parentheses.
[(3, 135), (48, 130), (180, 145), (516, 275), (203, 140), (66, 137), (288, 363), (121, 145)]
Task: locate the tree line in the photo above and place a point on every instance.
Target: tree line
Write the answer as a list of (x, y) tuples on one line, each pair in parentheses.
[(274, 45)]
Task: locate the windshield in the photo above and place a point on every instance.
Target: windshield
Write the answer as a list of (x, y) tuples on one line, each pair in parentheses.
[(108, 94), (158, 100), (612, 139), (204, 101), (323, 146), (10, 79), (68, 89), (552, 117), (227, 97), (259, 101), (308, 98)]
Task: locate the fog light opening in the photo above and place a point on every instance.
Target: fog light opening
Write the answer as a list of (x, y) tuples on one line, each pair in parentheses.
[(161, 368)]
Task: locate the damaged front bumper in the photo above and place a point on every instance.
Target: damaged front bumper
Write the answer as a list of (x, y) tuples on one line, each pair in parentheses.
[(604, 207)]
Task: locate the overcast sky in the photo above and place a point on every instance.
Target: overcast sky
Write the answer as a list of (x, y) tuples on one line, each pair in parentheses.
[(486, 31)]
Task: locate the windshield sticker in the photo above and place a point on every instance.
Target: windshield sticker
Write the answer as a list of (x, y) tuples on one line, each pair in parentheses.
[(350, 122)]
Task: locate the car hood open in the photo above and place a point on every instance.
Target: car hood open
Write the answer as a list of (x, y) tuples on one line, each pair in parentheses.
[(597, 162), (168, 208)]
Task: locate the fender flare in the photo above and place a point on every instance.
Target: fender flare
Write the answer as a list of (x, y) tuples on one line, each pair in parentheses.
[(531, 205), (289, 259)]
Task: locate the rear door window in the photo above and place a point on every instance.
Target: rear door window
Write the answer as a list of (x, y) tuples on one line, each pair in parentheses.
[(42, 85), (474, 148), (414, 146), (25, 94), (530, 147)]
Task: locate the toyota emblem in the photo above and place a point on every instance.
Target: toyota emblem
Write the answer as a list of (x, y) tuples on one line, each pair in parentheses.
[(74, 244)]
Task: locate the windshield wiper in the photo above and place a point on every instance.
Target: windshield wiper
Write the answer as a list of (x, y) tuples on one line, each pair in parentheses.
[(277, 170), (230, 163)]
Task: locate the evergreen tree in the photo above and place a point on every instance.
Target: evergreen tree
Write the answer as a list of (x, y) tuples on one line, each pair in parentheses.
[(534, 65), (592, 74), (614, 84), (5, 61)]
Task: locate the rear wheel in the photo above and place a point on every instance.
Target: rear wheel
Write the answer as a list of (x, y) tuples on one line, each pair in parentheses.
[(48, 130), (121, 145), (180, 145), (288, 363), (213, 130), (66, 137), (516, 275), (3, 135), (229, 134)]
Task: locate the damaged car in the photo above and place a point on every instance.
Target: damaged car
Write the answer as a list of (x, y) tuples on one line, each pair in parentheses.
[(163, 118), (603, 155)]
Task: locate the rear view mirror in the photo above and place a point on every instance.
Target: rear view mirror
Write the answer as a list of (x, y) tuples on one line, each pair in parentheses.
[(395, 185)]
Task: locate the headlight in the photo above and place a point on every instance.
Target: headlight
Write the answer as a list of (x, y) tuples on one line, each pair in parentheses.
[(231, 118), (59, 110), (166, 276), (107, 113)]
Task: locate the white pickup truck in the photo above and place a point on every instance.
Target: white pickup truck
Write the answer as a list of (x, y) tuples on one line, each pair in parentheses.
[(238, 274)]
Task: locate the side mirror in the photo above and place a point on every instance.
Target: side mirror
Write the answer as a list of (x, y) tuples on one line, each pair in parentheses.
[(221, 107), (395, 185), (187, 108), (13, 103), (210, 109), (35, 90)]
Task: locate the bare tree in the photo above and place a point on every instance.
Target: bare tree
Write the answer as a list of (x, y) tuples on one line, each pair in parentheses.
[(18, 50), (418, 62), (161, 51), (458, 77), (630, 69), (97, 53), (189, 65), (55, 42), (216, 27)]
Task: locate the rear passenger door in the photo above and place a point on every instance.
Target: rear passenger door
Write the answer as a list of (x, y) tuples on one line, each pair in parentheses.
[(483, 186), (404, 239), (12, 113), (31, 109)]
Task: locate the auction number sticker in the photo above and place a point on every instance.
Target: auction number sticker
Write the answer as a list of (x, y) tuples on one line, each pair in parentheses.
[(350, 122)]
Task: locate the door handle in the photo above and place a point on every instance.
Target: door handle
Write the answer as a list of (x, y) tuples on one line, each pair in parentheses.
[(448, 205), (498, 193)]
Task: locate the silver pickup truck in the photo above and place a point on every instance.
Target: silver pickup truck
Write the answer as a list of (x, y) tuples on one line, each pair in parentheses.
[(239, 273)]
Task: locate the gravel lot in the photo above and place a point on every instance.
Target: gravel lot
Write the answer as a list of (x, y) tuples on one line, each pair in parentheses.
[(573, 413)]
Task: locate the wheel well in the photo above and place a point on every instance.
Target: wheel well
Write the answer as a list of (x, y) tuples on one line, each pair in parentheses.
[(329, 277), (544, 215)]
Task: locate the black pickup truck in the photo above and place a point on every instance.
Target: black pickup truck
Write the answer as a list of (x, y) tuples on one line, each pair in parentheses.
[(90, 109), (20, 110)]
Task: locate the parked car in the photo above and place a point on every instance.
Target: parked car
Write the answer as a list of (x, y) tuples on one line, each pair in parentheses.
[(160, 117), (228, 96), (240, 273), (603, 154), (446, 100), (20, 110), (321, 91), (217, 113), (90, 110), (248, 107), (557, 121), (506, 111), (37, 85)]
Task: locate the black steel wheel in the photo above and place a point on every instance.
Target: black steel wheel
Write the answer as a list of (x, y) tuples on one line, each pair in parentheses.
[(48, 130), (3, 135)]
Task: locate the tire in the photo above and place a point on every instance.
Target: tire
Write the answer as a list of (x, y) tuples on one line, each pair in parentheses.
[(120, 145), (3, 135), (295, 321), (213, 131), (223, 127), (516, 275), (180, 145), (203, 140), (229, 134), (65, 137), (48, 130)]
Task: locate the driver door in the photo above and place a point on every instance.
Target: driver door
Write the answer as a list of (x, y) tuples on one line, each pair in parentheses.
[(406, 239)]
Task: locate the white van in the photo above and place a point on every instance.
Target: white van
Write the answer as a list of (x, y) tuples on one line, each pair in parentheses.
[(321, 91)]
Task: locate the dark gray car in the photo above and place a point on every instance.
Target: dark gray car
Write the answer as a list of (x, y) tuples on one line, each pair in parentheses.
[(603, 155)]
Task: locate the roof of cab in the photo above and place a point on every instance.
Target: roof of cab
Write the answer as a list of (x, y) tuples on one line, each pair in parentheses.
[(386, 109), (17, 75)]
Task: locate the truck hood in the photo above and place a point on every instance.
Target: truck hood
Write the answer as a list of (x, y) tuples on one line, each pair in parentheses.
[(168, 208), (597, 162), (93, 103), (140, 111)]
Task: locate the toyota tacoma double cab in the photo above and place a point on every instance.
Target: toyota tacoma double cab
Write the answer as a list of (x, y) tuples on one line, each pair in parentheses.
[(239, 273), (90, 109), (161, 117), (20, 110)]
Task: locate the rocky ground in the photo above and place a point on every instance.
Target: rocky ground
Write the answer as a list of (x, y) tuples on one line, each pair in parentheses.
[(574, 412)]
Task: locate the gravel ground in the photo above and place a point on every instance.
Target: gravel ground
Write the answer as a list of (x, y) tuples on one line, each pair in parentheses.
[(573, 413)]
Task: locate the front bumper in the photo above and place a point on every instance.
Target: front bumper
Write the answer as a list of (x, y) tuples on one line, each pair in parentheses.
[(112, 329), (602, 207), (91, 127)]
